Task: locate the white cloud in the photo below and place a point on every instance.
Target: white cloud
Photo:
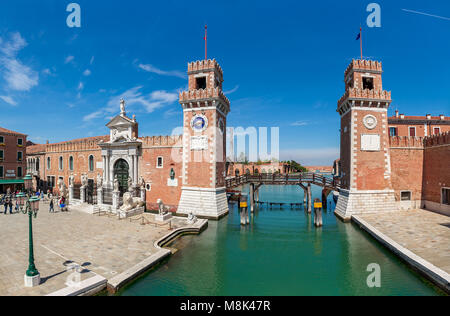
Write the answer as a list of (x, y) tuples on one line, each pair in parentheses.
[(92, 60), (8, 100), (232, 90), (311, 156), (87, 73), (135, 97), (300, 123), (69, 59), (175, 73), (18, 76), (80, 86)]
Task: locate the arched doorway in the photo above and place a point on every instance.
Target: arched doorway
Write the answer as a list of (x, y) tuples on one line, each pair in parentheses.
[(121, 170)]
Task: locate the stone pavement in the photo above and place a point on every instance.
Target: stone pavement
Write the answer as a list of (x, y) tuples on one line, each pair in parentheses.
[(425, 233), (102, 245)]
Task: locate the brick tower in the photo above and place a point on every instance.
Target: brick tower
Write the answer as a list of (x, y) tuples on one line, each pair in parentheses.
[(205, 110), (365, 156)]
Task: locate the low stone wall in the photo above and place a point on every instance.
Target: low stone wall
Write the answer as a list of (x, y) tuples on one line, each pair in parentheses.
[(204, 203), (364, 202)]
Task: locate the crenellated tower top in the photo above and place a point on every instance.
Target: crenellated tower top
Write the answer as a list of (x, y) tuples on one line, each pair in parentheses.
[(205, 87), (364, 86)]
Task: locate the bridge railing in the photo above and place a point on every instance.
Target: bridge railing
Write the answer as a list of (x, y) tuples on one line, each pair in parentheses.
[(277, 178)]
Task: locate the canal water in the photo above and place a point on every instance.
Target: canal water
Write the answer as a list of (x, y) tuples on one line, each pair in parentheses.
[(280, 253)]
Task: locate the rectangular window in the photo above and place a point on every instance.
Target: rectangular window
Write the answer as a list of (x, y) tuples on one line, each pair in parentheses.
[(412, 131), (51, 181), (367, 83), (393, 131), (159, 163), (19, 172), (406, 196), (437, 130), (19, 156), (2, 139), (446, 196), (20, 141), (1, 172), (201, 83), (2, 155)]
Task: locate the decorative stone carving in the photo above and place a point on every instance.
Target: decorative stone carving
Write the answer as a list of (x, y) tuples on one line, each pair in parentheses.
[(370, 143), (370, 121), (122, 107), (130, 184)]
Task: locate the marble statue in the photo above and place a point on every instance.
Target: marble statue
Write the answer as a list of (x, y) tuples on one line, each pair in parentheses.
[(84, 180), (116, 184), (62, 188), (99, 180), (141, 182), (162, 209), (122, 106), (130, 203), (191, 218), (130, 184), (71, 180)]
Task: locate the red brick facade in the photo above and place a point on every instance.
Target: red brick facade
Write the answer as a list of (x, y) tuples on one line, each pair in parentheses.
[(12, 158)]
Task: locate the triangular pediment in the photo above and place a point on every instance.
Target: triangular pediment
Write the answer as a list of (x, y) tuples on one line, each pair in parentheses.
[(120, 121)]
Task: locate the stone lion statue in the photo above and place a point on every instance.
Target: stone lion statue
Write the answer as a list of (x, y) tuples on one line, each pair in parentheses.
[(129, 202), (161, 207), (62, 188)]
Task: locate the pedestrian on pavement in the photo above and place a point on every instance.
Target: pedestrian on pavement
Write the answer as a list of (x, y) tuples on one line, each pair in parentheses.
[(6, 203), (10, 205), (51, 210)]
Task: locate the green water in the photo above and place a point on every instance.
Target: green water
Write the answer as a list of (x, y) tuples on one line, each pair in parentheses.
[(280, 253)]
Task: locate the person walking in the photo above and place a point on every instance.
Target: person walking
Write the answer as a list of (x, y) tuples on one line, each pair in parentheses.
[(51, 210), (6, 203), (10, 205)]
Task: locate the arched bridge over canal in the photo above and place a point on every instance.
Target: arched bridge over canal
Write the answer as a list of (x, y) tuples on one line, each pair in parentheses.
[(303, 180)]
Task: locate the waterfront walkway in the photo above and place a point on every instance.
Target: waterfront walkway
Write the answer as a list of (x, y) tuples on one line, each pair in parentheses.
[(420, 237), (104, 246)]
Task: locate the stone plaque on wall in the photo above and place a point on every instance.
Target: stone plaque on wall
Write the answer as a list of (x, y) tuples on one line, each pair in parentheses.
[(199, 142), (370, 142)]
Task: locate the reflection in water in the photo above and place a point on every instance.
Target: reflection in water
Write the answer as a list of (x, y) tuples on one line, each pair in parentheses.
[(279, 253)]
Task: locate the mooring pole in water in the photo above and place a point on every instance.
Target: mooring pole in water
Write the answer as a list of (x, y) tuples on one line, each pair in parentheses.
[(252, 197), (318, 213), (309, 199), (325, 192), (243, 205)]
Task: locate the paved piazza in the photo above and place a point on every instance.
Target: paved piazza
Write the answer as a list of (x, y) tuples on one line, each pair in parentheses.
[(102, 245), (425, 233)]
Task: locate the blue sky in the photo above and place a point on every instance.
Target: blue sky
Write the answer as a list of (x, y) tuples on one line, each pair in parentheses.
[(283, 64)]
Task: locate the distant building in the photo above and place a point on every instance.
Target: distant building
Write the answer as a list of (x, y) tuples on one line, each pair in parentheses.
[(12, 159), (418, 126)]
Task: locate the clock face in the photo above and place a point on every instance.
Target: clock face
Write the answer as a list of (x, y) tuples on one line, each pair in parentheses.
[(199, 123), (370, 121)]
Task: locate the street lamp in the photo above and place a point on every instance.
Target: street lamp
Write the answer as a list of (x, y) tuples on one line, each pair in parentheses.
[(31, 206), (28, 182)]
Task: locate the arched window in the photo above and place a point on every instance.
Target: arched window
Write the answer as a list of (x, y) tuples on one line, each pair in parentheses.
[(91, 163), (61, 163), (71, 163), (37, 164), (49, 163)]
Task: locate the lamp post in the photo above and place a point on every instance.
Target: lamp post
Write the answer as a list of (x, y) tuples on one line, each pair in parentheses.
[(31, 206), (28, 182)]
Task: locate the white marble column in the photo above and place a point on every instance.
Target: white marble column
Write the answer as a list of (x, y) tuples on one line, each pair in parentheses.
[(136, 169), (131, 171), (105, 171)]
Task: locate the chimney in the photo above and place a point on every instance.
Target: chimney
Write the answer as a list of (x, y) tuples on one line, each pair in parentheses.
[(396, 113), (402, 116), (428, 116), (47, 142), (442, 117)]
